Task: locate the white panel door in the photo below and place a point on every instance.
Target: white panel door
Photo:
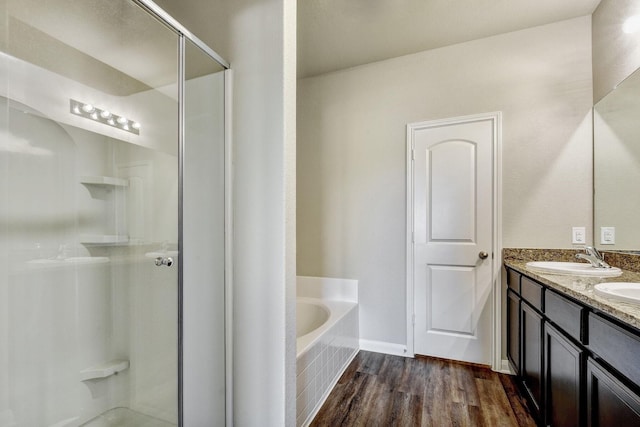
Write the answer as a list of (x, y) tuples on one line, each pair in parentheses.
[(452, 234)]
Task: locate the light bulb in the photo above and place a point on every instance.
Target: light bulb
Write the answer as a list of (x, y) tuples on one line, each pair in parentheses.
[(632, 24), (94, 115), (111, 121), (122, 120), (88, 108), (105, 114), (76, 109), (135, 125)]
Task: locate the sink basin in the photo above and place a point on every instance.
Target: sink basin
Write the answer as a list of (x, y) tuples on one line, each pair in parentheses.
[(572, 268), (622, 291)]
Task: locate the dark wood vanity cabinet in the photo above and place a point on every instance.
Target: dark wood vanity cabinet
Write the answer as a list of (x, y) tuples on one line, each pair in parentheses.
[(578, 367)]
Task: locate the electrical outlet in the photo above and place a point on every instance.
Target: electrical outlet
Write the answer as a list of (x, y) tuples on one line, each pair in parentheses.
[(607, 235), (578, 235)]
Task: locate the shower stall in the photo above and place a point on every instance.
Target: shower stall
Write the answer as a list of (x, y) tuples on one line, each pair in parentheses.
[(113, 218)]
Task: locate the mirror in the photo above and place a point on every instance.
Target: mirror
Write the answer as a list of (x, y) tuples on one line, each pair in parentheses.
[(616, 151)]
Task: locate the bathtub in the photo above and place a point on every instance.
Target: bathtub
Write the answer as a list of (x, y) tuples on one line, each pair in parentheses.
[(311, 314), (327, 341), (316, 317)]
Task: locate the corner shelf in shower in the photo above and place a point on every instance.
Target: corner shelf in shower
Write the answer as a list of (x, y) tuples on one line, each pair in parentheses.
[(98, 184), (104, 370), (107, 181), (104, 239)]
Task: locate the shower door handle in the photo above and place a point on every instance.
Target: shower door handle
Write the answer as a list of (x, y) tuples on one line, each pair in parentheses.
[(168, 261)]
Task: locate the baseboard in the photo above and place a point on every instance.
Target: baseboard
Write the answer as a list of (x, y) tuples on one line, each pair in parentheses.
[(505, 368), (384, 347)]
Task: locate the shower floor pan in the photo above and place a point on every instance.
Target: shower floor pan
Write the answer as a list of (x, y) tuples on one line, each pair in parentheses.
[(125, 417)]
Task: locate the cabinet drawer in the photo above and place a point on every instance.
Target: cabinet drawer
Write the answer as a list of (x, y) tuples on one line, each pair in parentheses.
[(564, 313), (618, 346), (531, 292), (513, 280)]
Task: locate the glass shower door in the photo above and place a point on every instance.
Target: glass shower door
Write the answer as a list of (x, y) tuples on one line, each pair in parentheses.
[(203, 208), (89, 173)]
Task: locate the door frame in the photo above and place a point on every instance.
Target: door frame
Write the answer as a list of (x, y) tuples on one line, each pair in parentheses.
[(496, 244)]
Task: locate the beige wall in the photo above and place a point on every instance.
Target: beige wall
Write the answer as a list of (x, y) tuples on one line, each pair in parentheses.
[(351, 153), (615, 53)]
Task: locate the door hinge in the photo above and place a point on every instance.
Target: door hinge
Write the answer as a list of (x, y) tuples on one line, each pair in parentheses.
[(413, 319), (413, 237), (413, 154)]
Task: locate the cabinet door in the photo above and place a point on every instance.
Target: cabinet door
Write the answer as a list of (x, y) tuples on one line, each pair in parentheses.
[(513, 330), (563, 362), (609, 402), (531, 358)]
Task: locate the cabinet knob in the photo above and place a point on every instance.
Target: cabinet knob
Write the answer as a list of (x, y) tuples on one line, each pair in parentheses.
[(483, 255)]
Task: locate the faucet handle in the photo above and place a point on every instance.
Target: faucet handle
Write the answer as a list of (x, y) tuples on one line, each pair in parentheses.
[(590, 250), (594, 257)]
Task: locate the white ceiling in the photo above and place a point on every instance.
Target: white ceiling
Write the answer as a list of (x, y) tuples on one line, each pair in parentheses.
[(338, 34)]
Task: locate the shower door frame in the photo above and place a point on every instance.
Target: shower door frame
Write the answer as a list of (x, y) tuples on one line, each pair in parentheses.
[(183, 35)]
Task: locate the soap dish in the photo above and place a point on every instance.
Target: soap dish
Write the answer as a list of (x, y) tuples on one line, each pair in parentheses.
[(104, 370)]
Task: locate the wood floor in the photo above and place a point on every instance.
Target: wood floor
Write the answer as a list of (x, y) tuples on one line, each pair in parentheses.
[(384, 390)]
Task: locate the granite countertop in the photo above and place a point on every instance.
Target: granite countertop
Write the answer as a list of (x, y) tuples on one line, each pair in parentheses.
[(578, 287)]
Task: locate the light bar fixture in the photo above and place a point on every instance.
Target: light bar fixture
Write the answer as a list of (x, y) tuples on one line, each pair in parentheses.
[(631, 25), (88, 111)]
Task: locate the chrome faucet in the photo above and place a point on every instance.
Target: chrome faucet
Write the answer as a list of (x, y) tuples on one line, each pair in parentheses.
[(594, 257)]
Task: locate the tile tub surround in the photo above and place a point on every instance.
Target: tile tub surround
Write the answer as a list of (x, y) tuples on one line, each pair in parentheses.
[(580, 288), (321, 362), (320, 367)]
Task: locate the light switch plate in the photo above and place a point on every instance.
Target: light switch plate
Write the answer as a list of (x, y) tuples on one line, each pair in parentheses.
[(607, 235), (578, 235)]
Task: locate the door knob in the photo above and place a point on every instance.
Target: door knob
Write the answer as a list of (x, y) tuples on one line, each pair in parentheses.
[(483, 255), (168, 261)]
